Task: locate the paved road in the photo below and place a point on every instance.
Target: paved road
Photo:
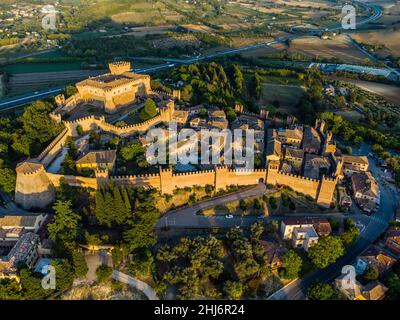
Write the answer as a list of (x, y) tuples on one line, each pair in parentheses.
[(376, 226), (188, 217), (136, 283), (8, 104)]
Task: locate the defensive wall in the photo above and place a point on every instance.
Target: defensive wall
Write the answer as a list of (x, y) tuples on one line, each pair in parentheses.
[(35, 186), (37, 189)]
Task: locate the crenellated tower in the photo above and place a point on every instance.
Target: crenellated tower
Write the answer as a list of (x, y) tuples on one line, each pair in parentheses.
[(33, 187)]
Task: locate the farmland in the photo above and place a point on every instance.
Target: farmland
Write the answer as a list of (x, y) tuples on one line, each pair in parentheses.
[(26, 82), (384, 42), (339, 48), (287, 95)]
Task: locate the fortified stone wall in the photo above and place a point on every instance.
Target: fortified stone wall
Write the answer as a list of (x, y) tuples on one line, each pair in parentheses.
[(146, 180), (326, 191), (36, 189), (92, 123), (52, 150), (74, 181), (189, 179)]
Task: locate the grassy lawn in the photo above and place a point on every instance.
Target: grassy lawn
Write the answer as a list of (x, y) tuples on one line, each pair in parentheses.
[(181, 197), (287, 95), (233, 208)]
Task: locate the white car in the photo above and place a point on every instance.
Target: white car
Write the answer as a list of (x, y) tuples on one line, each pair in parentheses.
[(229, 216)]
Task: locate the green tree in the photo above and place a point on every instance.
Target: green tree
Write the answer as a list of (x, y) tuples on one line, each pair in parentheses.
[(230, 114), (7, 180), (234, 289), (238, 77), (322, 291), (326, 251), (64, 230), (243, 204), (371, 274), (149, 110), (79, 263), (291, 267), (64, 274), (32, 285), (10, 290), (103, 273)]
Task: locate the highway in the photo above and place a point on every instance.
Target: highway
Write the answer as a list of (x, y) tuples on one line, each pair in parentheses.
[(11, 103)]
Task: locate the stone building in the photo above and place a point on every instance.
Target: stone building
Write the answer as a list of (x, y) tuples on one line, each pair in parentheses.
[(104, 160), (113, 90)]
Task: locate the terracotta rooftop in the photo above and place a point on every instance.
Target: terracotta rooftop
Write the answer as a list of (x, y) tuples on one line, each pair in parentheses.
[(108, 81), (17, 221), (374, 291), (106, 156), (365, 183), (295, 153), (28, 166), (311, 139), (355, 159)]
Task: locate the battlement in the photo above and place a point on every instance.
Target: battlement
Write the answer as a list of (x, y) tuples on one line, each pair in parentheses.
[(297, 176), (119, 67), (239, 170), (52, 144), (193, 173), (132, 177), (330, 179), (84, 119)]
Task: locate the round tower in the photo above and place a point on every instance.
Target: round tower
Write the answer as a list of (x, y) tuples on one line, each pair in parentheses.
[(33, 187)]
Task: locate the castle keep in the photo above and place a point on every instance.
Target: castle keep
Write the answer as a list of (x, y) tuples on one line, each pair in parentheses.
[(112, 90)]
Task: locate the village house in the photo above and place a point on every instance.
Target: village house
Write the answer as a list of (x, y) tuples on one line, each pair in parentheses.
[(25, 251), (315, 165), (354, 164), (292, 136), (180, 116), (97, 160), (311, 141), (12, 227), (372, 291), (304, 233), (294, 157), (274, 150), (392, 242), (365, 191), (374, 257), (304, 237), (344, 199)]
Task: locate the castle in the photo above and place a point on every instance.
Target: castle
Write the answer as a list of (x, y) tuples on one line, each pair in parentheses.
[(35, 186), (115, 89)]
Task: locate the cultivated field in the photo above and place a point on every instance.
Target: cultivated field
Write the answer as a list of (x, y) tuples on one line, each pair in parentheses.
[(27, 82), (387, 41), (287, 95), (340, 47)]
